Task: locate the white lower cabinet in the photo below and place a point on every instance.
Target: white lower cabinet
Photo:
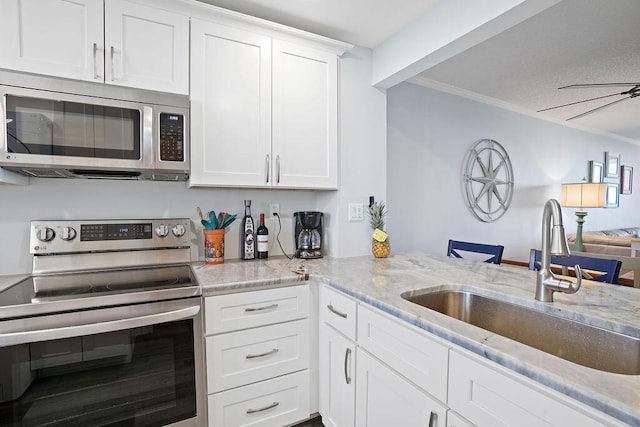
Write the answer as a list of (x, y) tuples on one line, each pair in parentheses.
[(489, 395), (273, 403), (385, 398), (337, 378), (258, 348), (455, 420), (337, 361)]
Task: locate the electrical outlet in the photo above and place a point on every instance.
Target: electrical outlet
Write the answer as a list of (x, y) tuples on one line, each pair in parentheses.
[(274, 208)]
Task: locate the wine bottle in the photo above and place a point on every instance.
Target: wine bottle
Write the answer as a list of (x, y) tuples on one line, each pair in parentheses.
[(262, 236), (247, 243)]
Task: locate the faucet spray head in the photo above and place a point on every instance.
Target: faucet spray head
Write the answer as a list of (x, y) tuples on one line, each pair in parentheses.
[(559, 245)]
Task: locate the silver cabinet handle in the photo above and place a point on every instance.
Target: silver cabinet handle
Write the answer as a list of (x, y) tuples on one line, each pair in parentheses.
[(253, 411), (334, 311), (268, 353), (266, 169), (112, 68), (347, 377), (278, 169), (433, 419), (266, 307), (95, 61)]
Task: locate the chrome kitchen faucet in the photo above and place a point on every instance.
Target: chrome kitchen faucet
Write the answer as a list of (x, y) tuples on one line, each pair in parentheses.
[(554, 242)]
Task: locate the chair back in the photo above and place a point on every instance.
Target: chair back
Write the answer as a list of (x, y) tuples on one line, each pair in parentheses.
[(494, 250), (608, 269)]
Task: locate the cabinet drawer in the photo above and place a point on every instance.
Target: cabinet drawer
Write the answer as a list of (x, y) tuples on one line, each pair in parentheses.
[(274, 403), (339, 311), (243, 357), (493, 396), (411, 352), (245, 310)]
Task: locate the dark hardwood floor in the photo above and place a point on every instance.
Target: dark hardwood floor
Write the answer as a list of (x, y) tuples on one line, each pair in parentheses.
[(314, 422)]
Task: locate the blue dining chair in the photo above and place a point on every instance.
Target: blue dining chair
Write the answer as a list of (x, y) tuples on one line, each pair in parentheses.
[(605, 270), (494, 250)]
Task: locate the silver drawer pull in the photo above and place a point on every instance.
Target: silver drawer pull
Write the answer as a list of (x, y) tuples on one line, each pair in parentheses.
[(268, 353), (433, 418), (334, 311), (253, 411), (266, 307)]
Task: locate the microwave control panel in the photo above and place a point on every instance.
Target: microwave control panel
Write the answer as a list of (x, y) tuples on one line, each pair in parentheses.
[(171, 137)]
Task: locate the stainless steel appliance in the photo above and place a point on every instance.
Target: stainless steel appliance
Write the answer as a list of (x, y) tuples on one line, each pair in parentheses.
[(65, 129), (107, 330), (307, 233)]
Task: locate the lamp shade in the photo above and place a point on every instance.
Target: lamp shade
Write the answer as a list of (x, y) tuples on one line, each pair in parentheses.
[(584, 195)]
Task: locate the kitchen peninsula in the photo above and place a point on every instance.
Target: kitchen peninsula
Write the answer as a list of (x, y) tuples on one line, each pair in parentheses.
[(380, 283)]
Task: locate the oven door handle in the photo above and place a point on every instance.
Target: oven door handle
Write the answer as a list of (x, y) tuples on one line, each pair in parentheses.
[(23, 337)]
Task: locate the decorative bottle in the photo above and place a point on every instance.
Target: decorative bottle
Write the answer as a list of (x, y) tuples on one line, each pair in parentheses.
[(262, 236), (247, 243)]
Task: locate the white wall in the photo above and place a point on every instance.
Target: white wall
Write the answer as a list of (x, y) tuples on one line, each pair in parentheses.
[(429, 133), (363, 166)]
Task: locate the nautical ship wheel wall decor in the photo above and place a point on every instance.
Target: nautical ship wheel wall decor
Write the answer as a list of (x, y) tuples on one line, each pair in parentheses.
[(488, 180)]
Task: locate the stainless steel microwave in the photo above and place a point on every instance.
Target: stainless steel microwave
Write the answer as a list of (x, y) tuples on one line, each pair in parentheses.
[(80, 130)]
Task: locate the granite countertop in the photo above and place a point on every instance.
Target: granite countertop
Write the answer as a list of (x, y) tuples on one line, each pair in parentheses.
[(380, 282)]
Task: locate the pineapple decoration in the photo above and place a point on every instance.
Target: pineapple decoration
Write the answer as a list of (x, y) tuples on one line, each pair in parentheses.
[(380, 240)]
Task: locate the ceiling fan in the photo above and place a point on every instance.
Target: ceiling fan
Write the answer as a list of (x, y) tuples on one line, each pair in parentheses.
[(628, 94)]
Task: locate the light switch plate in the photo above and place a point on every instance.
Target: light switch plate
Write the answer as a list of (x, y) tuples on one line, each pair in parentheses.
[(356, 212)]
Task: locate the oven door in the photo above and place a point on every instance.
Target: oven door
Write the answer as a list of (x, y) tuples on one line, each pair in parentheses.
[(133, 365)]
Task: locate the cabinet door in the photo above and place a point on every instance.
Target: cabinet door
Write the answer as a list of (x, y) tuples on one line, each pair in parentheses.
[(305, 117), (230, 106), (146, 47), (55, 37), (489, 395), (336, 378), (384, 398)]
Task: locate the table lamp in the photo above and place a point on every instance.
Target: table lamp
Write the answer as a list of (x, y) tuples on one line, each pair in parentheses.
[(583, 195)]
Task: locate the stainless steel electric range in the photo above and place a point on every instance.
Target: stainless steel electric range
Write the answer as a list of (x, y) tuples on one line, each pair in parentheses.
[(106, 331)]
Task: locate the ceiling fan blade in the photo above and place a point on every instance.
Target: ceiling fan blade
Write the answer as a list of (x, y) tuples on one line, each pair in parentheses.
[(599, 108), (578, 102), (588, 85)]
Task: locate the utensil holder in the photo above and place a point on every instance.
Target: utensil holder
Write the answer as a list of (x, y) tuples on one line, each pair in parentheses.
[(214, 246)]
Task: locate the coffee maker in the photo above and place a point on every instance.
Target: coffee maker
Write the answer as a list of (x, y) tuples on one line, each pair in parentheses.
[(307, 233)]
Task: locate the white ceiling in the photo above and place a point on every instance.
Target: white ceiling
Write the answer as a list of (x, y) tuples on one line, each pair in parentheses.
[(575, 41), (361, 22)]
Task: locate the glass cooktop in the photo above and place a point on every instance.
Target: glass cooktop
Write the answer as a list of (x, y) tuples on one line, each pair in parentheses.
[(86, 290)]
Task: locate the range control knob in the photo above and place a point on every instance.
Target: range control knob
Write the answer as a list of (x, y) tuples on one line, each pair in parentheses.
[(178, 230), (162, 230), (45, 234), (68, 233)]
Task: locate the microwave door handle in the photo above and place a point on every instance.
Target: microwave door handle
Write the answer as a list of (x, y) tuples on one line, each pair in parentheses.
[(15, 338)]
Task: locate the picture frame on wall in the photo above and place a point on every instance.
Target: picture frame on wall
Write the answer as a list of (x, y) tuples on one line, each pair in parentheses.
[(612, 196), (626, 179), (611, 165), (596, 170)]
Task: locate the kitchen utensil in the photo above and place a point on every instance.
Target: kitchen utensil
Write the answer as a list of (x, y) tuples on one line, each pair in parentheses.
[(213, 219), (229, 220), (200, 213), (220, 219), (224, 218)]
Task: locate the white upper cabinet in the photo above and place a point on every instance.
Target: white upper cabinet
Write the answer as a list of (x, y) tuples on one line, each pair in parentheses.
[(146, 47), (264, 111), (112, 41), (54, 37), (230, 106), (305, 111)]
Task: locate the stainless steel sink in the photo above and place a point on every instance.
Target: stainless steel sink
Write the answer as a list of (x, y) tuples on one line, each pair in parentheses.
[(574, 341)]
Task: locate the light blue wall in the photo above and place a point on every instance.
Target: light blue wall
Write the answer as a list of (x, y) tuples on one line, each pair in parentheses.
[(429, 133)]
